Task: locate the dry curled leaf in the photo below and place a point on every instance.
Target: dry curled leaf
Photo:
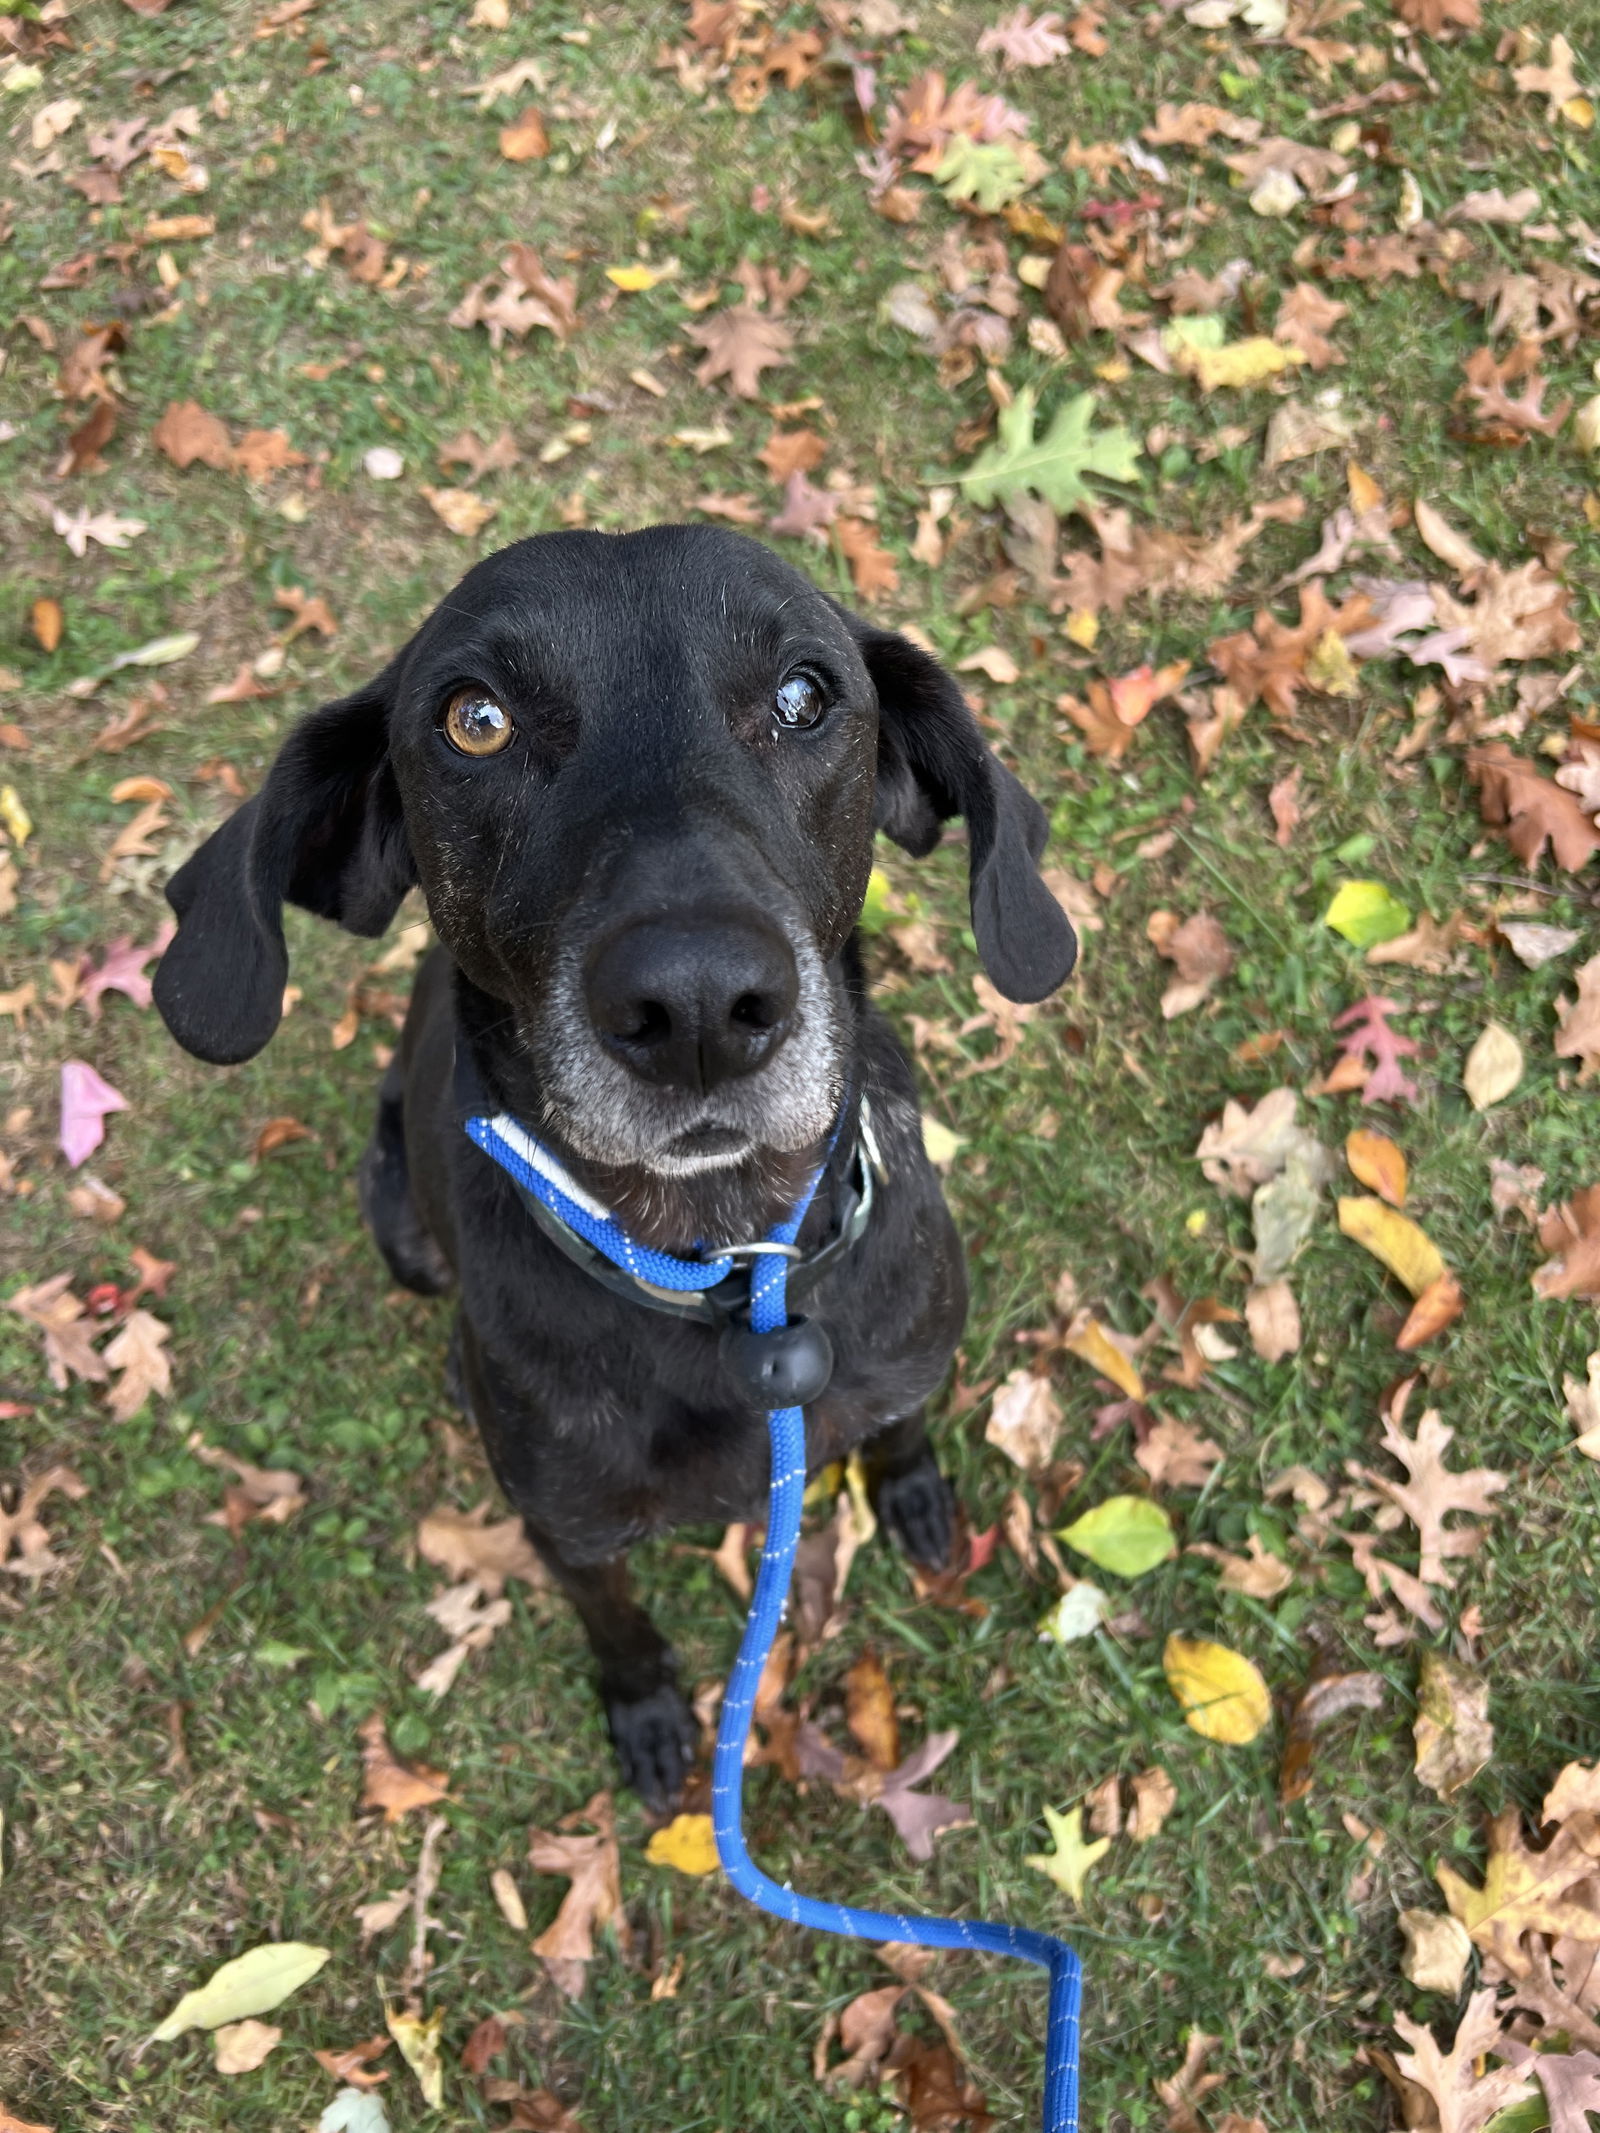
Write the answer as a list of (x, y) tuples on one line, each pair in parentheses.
[(391, 1784)]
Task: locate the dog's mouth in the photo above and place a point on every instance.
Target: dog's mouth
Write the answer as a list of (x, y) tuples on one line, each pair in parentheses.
[(708, 1140)]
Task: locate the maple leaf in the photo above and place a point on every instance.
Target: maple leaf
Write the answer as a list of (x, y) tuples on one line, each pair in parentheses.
[(1571, 2084), (466, 449), (594, 1868), (1531, 809), (1056, 466), (1572, 1232), (740, 343), (1069, 1863), (1579, 1034), (395, 1786), (1464, 2099), (136, 1353), (1025, 41), (872, 569), (52, 1307), (1272, 661), (921, 1816), (1371, 1036)]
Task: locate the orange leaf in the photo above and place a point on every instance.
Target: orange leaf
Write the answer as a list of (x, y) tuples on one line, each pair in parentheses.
[(395, 1786), (46, 621), (1378, 1163), (525, 140), (140, 789), (278, 1133), (1439, 1305)]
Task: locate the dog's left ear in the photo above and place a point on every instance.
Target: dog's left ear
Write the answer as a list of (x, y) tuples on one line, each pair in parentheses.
[(325, 832), (932, 764)]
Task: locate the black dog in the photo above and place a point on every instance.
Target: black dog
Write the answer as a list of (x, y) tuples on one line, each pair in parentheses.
[(638, 778)]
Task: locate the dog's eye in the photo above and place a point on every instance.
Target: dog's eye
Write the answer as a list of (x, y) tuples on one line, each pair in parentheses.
[(798, 703), (474, 724)]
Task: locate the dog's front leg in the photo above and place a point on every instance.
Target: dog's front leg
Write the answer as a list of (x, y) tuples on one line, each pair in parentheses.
[(652, 1727), (911, 1498)]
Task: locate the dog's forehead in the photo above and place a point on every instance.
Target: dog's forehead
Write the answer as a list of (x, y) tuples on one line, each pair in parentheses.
[(588, 599)]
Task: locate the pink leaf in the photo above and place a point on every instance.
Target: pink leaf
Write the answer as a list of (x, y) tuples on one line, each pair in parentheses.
[(805, 509), (1371, 1036), (85, 1101), (123, 971)]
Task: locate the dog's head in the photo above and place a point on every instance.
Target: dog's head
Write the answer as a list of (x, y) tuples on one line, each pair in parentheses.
[(637, 777)]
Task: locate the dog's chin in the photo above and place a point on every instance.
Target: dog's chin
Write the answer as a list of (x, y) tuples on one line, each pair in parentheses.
[(700, 1150)]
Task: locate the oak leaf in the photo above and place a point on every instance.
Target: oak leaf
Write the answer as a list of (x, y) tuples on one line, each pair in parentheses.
[(740, 343), (1556, 82), (1432, 1492), (1438, 18), (186, 433), (137, 1354), (1370, 1036), (593, 1866), (1025, 41), (1579, 1034), (59, 1315), (1571, 1231), (22, 1528), (395, 1786), (464, 1544), (1531, 809), (1199, 950), (1454, 1738), (872, 569), (1526, 1891), (1464, 2099)]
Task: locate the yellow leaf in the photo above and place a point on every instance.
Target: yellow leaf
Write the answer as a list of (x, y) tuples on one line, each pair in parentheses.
[(1330, 667), (939, 1144), (1395, 1239), (1494, 1067), (1236, 364), (1377, 1162), (249, 1985), (1223, 1696), (418, 2039), (1068, 1865), (1082, 627), (1578, 111), (18, 822), (686, 1843), (1364, 491), (1087, 1338), (630, 280)]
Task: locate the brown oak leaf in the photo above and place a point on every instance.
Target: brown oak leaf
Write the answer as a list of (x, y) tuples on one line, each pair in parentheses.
[(1531, 809), (740, 343)]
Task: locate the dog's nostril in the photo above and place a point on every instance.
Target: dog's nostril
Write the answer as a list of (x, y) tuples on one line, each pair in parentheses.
[(751, 1011), (651, 1024)]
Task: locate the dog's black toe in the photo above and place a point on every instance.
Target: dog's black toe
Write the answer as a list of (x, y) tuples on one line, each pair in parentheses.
[(655, 1737), (918, 1510)]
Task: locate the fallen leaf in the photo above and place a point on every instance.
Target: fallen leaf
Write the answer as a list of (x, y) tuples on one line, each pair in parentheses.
[(353, 2112), (1056, 466), (251, 1984), (1222, 1695), (1068, 1865), (464, 1544), (1128, 1535), (1395, 1239), (1453, 1735), (22, 1529), (872, 569), (86, 1102), (243, 2046), (1182, 2091), (1200, 951), (418, 2038), (1432, 1491), (395, 1786), (59, 1315), (686, 1843), (1087, 1339), (870, 1712), (1440, 1304), (1370, 1035), (1556, 83), (1175, 1456), (1437, 1951), (1464, 2098), (460, 509), (186, 433), (1572, 1232), (1494, 1067), (1272, 1317), (1526, 1891), (1365, 913), (1325, 1698), (137, 1355), (594, 1900), (525, 140), (1578, 1036), (740, 343), (1376, 1161)]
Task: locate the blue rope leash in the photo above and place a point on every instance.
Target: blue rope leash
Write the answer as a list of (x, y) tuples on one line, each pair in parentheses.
[(538, 1172)]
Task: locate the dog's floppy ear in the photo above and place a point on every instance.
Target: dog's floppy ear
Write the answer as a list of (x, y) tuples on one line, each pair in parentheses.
[(324, 832), (932, 764)]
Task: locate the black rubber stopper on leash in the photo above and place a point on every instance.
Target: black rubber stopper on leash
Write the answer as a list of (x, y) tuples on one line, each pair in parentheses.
[(788, 1368)]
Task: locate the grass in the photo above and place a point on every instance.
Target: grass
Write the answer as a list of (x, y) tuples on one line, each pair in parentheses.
[(131, 1871)]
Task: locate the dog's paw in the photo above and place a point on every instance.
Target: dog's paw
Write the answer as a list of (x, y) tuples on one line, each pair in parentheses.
[(655, 1737), (918, 1509)]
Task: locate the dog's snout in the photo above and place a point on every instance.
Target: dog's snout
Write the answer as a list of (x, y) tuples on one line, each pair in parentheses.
[(690, 1004)]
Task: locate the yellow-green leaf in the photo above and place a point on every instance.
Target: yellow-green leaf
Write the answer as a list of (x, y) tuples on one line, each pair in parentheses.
[(1068, 1865), (1228, 365), (18, 822), (1222, 1694), (939, 1144), (686, 1843), (1365, 913), (878, 906), (1127, 1535), (251, 1984), (1395, 1239), (418, 2039)]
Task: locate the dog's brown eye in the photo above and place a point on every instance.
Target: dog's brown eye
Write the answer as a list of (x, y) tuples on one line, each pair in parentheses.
[(476, 725), (798, 703)]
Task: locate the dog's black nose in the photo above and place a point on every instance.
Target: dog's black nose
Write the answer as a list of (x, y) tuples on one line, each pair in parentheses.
[(692, 1004)]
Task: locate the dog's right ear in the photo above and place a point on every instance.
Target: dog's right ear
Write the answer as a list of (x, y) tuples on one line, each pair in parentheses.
[(325, 832)]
